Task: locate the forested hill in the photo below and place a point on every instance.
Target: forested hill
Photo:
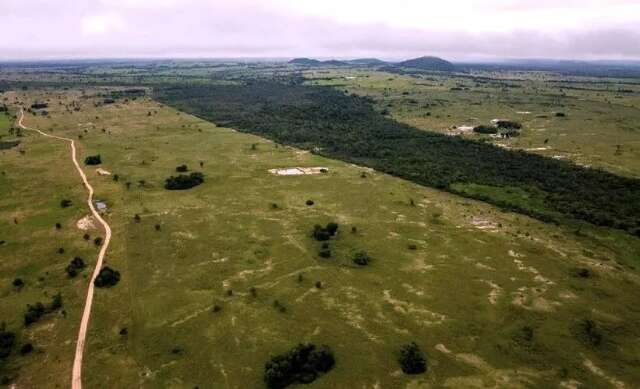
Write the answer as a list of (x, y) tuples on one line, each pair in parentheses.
[(349, 128)]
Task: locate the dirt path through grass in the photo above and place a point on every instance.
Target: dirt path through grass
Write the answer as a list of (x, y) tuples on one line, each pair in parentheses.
[(76, 378)]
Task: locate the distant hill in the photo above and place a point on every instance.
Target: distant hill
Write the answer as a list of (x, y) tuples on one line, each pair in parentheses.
[(335, 62), (428, 63), (305, 61), (366, 61)]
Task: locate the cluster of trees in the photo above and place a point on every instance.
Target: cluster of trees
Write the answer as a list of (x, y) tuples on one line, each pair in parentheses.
[(35, 312), (107, 278), (183, 181), (302, 364), (348, 127), (93, 160), (75, 266)]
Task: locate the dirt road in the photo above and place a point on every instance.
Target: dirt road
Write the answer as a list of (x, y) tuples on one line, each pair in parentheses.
[(76, 377)]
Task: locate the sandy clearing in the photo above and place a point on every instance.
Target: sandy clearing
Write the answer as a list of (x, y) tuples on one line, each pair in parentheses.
[(102, 172), (298, 171), (86, 223)]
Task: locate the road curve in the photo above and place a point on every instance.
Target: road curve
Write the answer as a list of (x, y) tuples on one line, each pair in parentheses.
[(76, 377)]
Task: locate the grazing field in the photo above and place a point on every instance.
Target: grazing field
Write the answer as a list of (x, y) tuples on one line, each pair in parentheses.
[(599, 127), (219, 277)]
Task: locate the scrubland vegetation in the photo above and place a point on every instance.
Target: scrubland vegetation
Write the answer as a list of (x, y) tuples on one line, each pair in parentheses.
[(237, 281)]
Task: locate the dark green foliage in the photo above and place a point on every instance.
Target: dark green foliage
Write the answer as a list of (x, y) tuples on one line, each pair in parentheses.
[(482, 129), (107, 278), (93, 160), (65, 203), (301, 365), (97, 241), (34, 313), (7, 341), (56, 302), (183, 181), (412, 360), (347, 127), (589, 333), (39, 105), (26, 349), (182, 169), (361, 258), (18, 283), (324, 233), (309, 202), (320, 234), (508, 125), (561, 114), (325, 253), (76, 265), (58, 226)]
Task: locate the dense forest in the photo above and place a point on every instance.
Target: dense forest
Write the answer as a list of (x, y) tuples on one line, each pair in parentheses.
[(348, 127)]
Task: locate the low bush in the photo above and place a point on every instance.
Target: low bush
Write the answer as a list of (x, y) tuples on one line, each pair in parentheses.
[(485, 129), (412, 360), (107, 278), (324, 234), (7, 341), (93, 160), (75, 266), (361, 258)]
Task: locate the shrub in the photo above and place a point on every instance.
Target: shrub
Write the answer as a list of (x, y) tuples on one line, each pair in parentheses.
[(320, 234), (34, 313), (93, 160), (18, 283), (508, 124), (324, 234), (107, 278), (65, 203), (485, 129), (182, 169), (97, 241), (26, 348), (302, 364), (76, 265), (361, 258), (590, 333), (309, 202), (7, 340), (183, 181), (412, 360), (561, 114), (325, 253)]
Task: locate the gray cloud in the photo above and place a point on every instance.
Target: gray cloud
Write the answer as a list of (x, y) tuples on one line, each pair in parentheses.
[(195, 28)]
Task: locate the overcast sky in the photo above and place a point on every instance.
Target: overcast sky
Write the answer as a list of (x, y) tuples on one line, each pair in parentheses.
[(390, 29)]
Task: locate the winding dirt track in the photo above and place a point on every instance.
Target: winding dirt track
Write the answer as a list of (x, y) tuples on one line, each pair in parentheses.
[(76, 377)]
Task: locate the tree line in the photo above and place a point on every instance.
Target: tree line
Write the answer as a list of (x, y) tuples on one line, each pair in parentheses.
[(348, 127)]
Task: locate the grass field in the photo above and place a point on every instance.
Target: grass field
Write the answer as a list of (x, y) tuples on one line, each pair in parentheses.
[(600, 128), (491, 297)]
